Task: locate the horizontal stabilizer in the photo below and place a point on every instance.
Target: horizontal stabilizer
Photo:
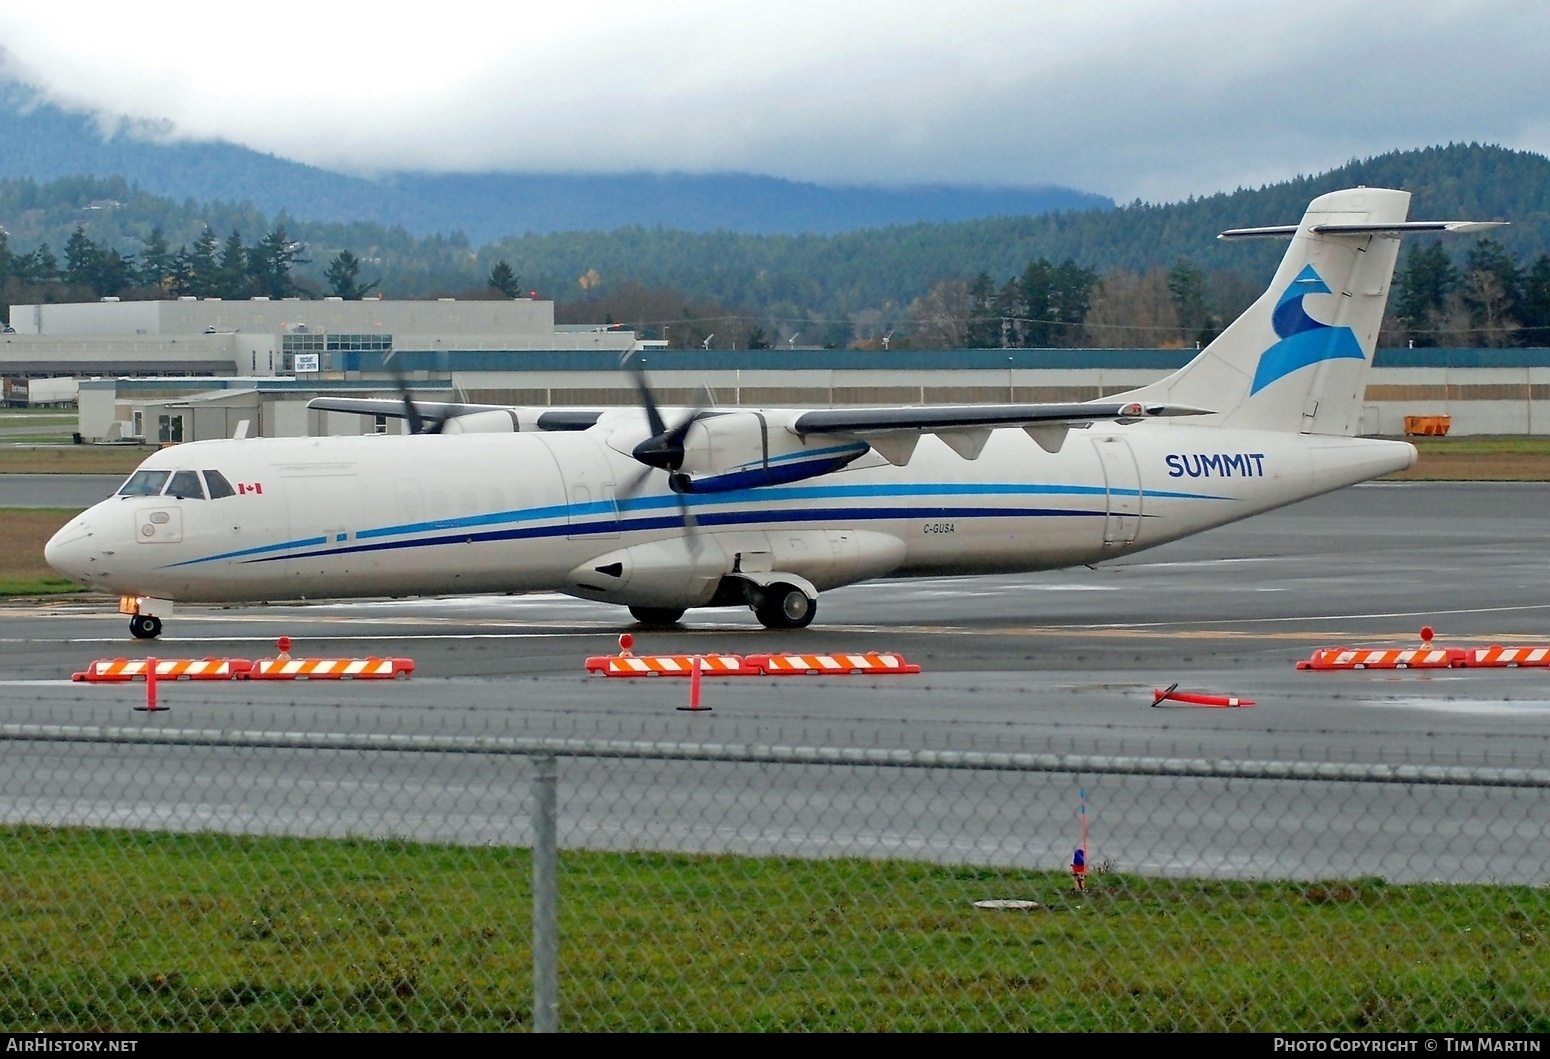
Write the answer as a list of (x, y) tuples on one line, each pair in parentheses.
[(1286, 231)]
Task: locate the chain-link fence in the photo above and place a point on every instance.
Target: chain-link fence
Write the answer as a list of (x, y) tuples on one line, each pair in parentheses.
[(162, 878)]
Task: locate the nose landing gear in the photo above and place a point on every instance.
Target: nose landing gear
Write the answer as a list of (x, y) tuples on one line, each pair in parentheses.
[(145, 626)]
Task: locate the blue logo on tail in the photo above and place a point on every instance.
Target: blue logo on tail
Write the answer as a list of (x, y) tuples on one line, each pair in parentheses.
[(1304, 340)]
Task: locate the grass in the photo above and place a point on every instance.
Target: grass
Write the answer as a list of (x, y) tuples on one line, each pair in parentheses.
[(23, 533), (1486, 458), (71, 459), (128, 931)]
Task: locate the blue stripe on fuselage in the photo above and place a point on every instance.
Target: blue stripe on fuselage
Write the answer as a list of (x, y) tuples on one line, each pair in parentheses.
[(725, 518), (602, 516)]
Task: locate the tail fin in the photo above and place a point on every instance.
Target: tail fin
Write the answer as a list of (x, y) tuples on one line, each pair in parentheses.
[(1297, 359)]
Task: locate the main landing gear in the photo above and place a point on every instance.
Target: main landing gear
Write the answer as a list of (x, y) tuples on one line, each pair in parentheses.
[(657, 617), (145, 626), (779, 601), (784, 606)]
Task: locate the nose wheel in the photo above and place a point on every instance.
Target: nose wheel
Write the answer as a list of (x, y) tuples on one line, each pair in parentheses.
[(145, 626)]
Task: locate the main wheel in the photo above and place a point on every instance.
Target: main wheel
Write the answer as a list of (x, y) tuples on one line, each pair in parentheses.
[(657, 615), (145, 626), (783, 606)]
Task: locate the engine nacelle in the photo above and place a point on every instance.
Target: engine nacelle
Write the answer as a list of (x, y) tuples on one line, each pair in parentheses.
[(743, 450), (498, 421), (667, 573)]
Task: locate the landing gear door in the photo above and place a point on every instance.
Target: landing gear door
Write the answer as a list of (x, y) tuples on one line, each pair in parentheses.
[(1123, 482)]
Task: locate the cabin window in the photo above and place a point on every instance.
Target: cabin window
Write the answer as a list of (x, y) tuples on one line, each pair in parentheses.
[(219, 486), (144, 483), (185, 485)]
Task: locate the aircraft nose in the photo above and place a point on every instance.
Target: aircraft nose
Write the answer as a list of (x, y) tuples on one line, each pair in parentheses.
[(69, 550)]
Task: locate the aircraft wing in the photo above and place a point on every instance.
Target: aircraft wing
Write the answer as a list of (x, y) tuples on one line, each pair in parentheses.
[(394, 407), (965, 428), (465, 414)]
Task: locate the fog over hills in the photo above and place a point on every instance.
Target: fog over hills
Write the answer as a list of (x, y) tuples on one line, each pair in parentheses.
[(42, 142)]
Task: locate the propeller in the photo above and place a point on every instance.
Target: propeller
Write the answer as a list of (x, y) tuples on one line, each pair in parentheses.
[(664, 449), (418, 422)]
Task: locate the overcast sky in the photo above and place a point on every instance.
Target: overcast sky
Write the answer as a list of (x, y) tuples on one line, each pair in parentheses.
[(1156, 99)]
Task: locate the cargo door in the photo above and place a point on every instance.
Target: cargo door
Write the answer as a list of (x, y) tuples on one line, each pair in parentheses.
[(323, 504), (1122, 480)]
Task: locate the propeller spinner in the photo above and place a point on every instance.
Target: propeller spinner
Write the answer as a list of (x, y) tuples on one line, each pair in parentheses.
[(664, 449)]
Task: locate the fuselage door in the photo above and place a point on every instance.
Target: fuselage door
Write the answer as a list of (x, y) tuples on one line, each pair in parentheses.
[(323, 505), (592, 510), (1123, 482)]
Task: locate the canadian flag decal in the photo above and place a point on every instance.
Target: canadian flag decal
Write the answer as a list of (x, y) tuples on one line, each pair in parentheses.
[(246, 487)]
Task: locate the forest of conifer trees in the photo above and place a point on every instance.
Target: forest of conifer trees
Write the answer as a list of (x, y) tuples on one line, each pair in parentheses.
[(1141, 275)]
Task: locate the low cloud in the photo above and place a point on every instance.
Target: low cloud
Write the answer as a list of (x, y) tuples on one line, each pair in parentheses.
[(1158, 101)]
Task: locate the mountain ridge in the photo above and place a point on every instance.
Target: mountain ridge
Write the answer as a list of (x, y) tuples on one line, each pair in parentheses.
[(870, 275), (42, 141)]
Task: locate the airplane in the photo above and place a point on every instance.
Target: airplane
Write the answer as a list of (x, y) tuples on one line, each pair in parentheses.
[(663, 510)]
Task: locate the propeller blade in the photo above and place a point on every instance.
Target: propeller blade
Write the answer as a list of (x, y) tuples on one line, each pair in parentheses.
[(418, 423), (411, 413), (685, 516), (647, 401), (631, 488)]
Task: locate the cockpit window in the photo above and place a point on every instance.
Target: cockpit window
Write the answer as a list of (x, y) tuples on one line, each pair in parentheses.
[(144, 483), (185, 485), (218, 484)]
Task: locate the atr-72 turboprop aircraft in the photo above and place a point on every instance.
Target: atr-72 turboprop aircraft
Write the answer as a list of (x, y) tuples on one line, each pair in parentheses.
[(661, 510)]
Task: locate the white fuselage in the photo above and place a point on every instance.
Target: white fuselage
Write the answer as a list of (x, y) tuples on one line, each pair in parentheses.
[(426, 515)]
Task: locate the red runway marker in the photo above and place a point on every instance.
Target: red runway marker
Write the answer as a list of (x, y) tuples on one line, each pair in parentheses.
[(694, 687), (1197, 698)]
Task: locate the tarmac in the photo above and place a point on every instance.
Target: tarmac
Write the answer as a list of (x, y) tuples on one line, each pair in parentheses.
[(1064, 662)]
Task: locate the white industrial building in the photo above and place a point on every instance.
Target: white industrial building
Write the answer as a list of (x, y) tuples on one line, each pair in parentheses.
[(208, 336)]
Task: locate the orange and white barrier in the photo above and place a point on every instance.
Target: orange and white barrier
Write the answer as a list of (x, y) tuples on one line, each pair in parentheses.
[(1385, 658), (625, 664), (873, 663), (669, 665), (1507, 657), (329, 669), (123, 670)]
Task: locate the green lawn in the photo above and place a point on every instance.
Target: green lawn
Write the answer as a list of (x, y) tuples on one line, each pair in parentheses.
[(113, 930)]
